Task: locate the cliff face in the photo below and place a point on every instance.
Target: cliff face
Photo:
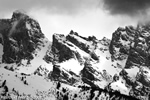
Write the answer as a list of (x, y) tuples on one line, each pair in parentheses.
[(72, 66), (133, 43), (20, 36)]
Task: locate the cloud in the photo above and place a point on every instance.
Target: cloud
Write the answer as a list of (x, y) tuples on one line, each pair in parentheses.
[(93, 22), (127, 7), (60, 16), (53, 6)]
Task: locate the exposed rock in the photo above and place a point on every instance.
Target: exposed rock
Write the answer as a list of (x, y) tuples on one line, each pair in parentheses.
[(21, 37), (59, 47), (115, 77), (134, 44), (62, 75), (41, 71), (144, 76), (121, 42), (86, 44), (94, 77), (3, 89)]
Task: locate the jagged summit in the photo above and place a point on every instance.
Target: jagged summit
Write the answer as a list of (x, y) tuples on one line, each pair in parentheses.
[(20, 36), (19, 14), (72, 66)]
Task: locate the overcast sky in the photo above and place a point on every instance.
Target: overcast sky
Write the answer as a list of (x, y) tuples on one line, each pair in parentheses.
[(87, 17)]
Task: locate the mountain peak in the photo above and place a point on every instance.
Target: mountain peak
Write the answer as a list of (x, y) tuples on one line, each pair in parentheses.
[(18, 14), (21, 35)]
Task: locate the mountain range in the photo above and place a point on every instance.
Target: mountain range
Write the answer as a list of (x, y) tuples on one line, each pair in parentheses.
[(72, 67)]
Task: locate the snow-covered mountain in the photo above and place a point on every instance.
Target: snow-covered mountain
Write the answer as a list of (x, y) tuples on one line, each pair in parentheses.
[(72, 67)]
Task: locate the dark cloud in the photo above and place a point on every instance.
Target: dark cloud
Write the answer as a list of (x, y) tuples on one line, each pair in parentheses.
[(127, 7), (55, 6)]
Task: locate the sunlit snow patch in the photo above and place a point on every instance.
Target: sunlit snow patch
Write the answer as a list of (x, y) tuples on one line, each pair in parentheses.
[(120, 86), (72, 65)]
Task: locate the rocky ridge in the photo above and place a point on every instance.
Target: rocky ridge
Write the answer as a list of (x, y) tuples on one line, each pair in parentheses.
[(72, 67)]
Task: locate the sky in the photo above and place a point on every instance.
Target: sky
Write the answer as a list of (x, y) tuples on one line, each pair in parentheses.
[(87, 17)]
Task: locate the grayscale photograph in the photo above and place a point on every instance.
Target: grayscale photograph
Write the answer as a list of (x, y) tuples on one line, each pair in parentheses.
[(74, 49)]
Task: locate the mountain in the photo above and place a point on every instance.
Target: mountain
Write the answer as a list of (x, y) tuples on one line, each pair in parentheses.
[(72, 67)]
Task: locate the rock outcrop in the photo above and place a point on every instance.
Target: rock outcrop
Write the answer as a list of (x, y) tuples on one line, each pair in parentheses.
[(20, 36), (133, 44)]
